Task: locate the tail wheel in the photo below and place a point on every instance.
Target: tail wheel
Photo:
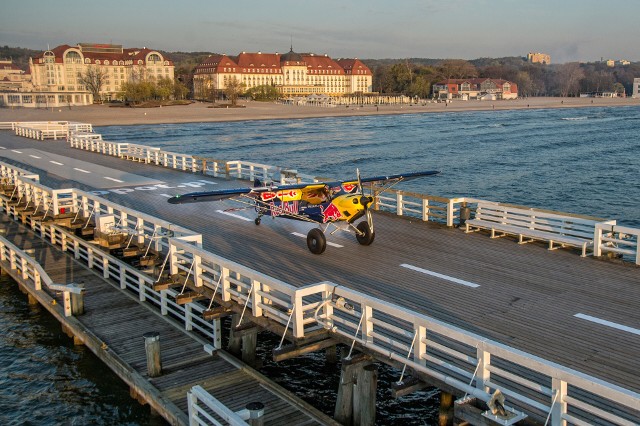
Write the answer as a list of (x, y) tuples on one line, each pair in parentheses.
[(316, 241), (257, 221), (365, 237)]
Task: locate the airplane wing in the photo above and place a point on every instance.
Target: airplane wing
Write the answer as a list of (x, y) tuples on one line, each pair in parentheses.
[(285, 192), (392, 178)]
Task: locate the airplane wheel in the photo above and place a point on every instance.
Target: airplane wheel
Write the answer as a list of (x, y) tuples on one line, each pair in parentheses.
[(367, 237), (257, 221), (316, 241)]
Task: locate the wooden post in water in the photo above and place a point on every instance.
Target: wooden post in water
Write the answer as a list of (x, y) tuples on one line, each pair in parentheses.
[(446, 414), (331, 354), (249, 343), (364, 403), (152, 347), (235, 343), (343, 412), (32, 300), (256, 413)]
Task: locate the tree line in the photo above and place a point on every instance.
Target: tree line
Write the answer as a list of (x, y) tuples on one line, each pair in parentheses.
[(416, 76)]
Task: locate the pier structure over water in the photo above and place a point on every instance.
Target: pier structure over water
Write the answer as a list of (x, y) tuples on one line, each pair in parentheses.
[(518, 349)]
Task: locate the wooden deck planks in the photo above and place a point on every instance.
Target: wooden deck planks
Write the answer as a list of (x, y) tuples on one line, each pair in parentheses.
[(119, 321)]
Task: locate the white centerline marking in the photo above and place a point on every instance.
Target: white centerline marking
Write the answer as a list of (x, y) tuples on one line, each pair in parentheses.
[(114, 179), (2, 147), (55, 162), (81, 170), (329, 243), (34, 156), (237, 216), (437, 275), (166, 195), (608, 323), (16, 151)]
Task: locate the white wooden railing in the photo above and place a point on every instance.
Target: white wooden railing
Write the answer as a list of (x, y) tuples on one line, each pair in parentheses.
[(49, 129), (621, 240), (201, 403), (33, 274), (469, 362)]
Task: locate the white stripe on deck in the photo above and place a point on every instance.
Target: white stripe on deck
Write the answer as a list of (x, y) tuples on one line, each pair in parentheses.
[(237, 216), (329, 243), (608, 323), (55, 162), (2, 147), (81, 170), (441, 276), (16, 151), (113, 179), (34, 156)]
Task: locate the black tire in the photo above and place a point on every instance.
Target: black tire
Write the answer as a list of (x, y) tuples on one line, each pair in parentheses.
[(367, 236), (316, 241), (257, 221)]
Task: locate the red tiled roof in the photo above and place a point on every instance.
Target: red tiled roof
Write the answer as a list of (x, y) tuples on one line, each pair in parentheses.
[(319, 63), (258, 60), (128, 54), (349, 65)]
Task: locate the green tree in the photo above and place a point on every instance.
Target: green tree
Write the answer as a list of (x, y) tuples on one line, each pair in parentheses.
[(265, 92), (233, 90), (93, 79), (456, 68)]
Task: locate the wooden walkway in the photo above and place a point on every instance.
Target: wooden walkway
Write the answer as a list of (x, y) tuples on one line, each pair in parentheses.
[(113, 325)]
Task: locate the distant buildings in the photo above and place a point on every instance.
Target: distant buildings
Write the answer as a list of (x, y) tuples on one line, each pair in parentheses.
[(539, 58), (59, 69), (612, 63), (292, 74), (636, 88), (475, 88), (54, 77)]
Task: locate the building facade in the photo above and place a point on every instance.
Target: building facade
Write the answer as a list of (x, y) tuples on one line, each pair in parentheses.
[(292, 74), (60, 69), (636, 88), (475, 88), (539, 58)]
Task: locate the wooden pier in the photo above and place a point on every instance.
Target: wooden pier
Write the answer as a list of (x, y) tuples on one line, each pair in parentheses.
[(464, 312), (113, 324)]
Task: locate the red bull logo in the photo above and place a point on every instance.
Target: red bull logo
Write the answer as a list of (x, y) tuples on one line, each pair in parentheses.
[(349, 187), (330, 213), (290, 208), (282, 195)]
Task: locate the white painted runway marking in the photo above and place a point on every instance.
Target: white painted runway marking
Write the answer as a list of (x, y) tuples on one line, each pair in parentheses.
[(329, 243), (442, 276), (2, 147), (34, 156), (113, 179), (55, 162), (16, 151), (237, 216), (166, 195), (608, 323), (81, 170)]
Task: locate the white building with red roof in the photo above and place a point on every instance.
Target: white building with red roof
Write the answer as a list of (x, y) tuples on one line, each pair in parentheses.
[(293, 74), (475, 88), (59, 69)]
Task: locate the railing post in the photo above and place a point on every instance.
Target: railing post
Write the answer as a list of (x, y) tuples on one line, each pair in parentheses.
[(425, 209), (420, 346), (66, 303), (399, 203), (256, 299), (597, 241), (559, 407), (298, 316), (450, 213), (483, 375), (367, 324)]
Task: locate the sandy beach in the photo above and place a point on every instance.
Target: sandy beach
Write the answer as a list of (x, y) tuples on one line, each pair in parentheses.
[(104, 115)]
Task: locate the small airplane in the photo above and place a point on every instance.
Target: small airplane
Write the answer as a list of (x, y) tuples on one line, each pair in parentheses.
[(339, 204)]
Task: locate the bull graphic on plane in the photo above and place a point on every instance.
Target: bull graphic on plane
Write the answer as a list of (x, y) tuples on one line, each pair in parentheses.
[(339, 204)]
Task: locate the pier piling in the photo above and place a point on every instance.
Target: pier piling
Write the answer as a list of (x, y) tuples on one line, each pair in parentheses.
[(152, 347)]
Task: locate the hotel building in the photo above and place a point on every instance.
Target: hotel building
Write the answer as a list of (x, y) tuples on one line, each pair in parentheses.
[(293, 74)]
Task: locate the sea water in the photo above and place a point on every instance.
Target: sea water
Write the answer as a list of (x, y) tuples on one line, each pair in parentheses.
[(579, 160), (576, 160)]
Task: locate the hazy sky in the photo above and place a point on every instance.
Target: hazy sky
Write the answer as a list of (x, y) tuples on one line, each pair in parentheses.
[(569, 30)]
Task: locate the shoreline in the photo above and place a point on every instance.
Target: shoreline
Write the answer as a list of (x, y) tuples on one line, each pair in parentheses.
[(198, 112)]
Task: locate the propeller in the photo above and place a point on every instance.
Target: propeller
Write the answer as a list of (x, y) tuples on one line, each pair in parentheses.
[(365, 201)]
